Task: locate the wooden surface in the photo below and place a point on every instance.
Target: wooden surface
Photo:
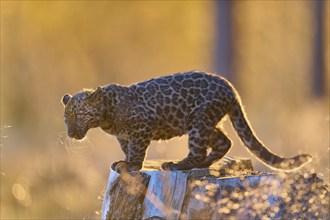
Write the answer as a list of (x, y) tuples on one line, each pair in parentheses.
[(227, 189)]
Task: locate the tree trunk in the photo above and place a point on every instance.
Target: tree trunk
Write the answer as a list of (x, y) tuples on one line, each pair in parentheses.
[(228, 189)]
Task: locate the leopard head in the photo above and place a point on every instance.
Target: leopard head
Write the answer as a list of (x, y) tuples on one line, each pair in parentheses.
[(82, 111)]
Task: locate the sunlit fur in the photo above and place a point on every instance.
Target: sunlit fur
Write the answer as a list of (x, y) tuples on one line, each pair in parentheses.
[(190, 103)]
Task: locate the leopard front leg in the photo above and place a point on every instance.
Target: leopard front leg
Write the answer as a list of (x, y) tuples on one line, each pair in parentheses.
[(124, 146), (136, 152)]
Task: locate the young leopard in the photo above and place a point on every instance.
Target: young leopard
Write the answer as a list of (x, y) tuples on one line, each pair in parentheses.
[(190, 103)]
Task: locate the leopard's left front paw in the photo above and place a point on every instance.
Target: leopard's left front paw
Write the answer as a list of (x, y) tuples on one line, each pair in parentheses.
[(114, 165), (120, 166), (124, 166)]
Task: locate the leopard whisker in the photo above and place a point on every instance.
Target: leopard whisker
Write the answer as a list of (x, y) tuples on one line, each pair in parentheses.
[(61, 138), (69, 145), (90, 144), (77, 146)]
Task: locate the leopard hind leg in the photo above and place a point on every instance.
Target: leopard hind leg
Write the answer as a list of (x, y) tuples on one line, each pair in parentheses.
[(220, 145), (197, 152)]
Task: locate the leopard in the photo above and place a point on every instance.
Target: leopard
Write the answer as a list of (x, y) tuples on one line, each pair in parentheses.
[(188, 103)]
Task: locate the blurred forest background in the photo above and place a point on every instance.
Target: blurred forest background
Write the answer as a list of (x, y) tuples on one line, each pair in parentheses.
[(275, 52)]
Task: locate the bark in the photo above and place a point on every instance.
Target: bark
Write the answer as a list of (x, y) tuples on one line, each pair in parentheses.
[(228, 189)]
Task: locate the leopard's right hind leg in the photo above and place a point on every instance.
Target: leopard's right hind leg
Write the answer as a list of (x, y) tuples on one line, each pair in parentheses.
[(220, 145), (197, 152)]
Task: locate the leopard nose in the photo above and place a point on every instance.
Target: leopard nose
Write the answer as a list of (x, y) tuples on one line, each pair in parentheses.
[(71, 132), (79, 136)]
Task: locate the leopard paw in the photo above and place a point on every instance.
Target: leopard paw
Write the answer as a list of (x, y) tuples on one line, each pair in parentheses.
[(124, 166), (204, 164), (134, 166), (120, 166), (114, 165), (168, 166)]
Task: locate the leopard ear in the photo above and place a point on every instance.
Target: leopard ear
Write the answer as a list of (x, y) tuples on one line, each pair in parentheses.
[(66, 99), (96, 95)]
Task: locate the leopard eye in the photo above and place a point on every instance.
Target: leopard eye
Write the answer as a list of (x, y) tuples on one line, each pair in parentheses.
[(79, 116)]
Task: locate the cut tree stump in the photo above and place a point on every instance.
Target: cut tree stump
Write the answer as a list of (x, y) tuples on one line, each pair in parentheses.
[(227, 189)]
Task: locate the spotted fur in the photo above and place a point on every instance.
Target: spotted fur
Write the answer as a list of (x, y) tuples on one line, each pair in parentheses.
[(190, 103)]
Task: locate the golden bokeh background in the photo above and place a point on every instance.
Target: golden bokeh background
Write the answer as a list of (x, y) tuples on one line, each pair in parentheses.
[(49, 48)]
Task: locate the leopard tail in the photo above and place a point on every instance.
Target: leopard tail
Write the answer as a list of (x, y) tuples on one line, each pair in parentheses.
[(242, 126)]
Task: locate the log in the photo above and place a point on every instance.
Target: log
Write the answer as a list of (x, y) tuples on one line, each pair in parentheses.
[(227, 189)]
